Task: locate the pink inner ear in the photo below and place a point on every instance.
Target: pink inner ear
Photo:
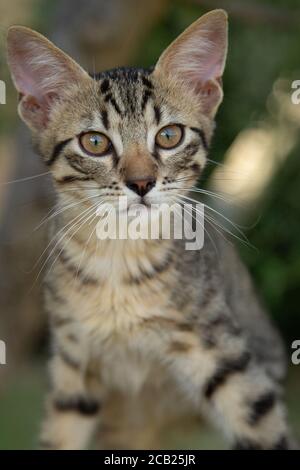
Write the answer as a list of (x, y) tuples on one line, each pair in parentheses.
[(212, 69), (197, 58), (201, 60), (40, 72), (36, 71), (26, 84), (28, 80)]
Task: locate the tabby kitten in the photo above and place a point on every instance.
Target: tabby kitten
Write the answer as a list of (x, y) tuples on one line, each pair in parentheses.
[(145, 322)]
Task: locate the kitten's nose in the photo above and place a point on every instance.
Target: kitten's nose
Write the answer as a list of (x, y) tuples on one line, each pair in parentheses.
[(142, 186)]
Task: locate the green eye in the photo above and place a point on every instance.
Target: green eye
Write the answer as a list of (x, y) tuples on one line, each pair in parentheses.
[(169, 136), (95, 143)]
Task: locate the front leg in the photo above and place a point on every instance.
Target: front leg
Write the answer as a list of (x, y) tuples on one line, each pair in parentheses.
[(73, 406), (225, 381), (244, 401)]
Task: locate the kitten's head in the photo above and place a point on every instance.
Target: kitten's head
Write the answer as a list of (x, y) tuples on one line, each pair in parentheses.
[(134, 132)]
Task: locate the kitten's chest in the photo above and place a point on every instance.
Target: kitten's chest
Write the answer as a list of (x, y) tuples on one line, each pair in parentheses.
[(131, 287), (122, 320), (120, 333), (118, 308)]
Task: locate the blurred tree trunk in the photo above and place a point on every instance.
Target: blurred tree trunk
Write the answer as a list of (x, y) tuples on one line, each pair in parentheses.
[(99, 34)]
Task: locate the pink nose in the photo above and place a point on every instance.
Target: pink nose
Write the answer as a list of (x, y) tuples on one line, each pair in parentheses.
[(142, 186)]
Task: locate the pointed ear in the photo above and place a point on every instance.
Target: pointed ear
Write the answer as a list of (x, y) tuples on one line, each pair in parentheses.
[(197, 59), (41, 72)]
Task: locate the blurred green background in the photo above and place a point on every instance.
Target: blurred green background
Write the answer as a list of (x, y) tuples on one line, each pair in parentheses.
[(257, 140)]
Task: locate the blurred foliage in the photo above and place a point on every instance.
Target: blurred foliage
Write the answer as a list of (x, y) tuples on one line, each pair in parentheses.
[(21, 407), (276, 263)]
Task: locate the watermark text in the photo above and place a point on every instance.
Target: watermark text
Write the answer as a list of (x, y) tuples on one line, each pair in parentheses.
[(2, 353), (157, 221)]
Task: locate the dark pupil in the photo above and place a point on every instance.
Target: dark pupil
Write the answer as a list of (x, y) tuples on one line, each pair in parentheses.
[(168, 133), (95, 140)]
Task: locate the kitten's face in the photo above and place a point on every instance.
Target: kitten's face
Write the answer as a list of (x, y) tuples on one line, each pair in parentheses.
[(128, 132)]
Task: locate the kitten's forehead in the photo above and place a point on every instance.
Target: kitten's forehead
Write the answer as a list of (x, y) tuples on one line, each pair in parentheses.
[(134, 102), (120, 101), (127, 90), (126, 103)]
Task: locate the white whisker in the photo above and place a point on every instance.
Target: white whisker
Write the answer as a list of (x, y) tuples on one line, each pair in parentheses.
[(26, 178)]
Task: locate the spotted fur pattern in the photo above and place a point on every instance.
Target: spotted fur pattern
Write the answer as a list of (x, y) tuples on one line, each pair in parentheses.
[(129, 316)]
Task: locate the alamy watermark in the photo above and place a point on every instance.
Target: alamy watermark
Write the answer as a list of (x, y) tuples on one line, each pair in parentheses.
[(2, 353), (157, 221), (295, 96), (2, 92), (296, 354)]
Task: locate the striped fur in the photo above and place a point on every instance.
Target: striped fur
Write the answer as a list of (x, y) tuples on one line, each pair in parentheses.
[(162, 328)]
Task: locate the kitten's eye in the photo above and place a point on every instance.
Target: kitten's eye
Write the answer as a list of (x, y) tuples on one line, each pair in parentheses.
[(169, 137), (95, 143)]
